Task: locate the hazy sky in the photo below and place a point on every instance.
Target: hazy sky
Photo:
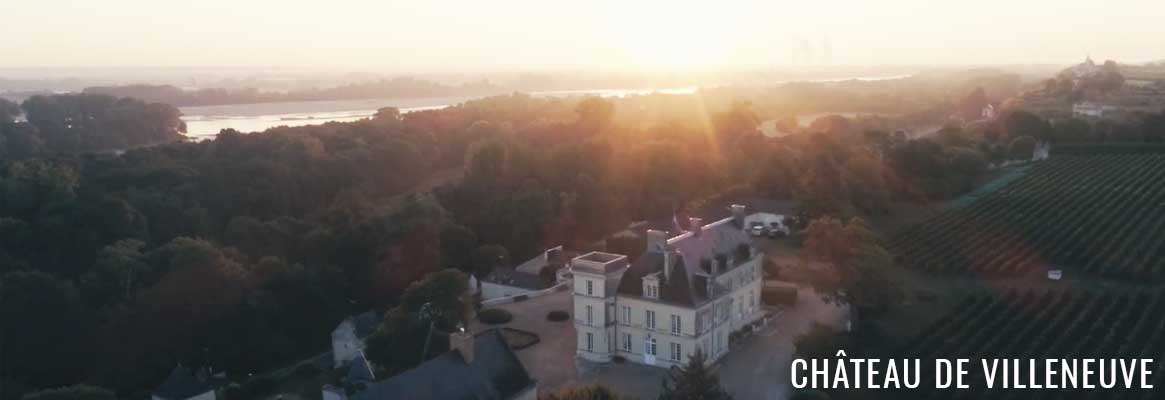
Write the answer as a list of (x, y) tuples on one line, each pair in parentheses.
[(539, 34)]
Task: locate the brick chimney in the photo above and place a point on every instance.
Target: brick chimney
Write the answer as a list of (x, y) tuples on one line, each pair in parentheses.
[(462, 342), (656, 241), (695, 225)]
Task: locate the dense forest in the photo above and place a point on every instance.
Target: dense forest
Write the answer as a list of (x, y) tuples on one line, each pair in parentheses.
[(70, 124), (243, 252)]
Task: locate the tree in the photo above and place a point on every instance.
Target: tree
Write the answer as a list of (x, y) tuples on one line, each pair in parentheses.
[(860, 263), (587, 392), (971, 106), (119, 270), (1153, 127), (594, 114), (42, 321), (1023, 123), (439, 297), (388, 114), (93, 122), (693, 381), (1072, 130), (487, 258), (1021, 148), (76, 392), (437, 302), (458, 244), (8, 111)]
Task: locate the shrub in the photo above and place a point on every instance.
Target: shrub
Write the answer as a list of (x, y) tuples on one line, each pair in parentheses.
[(779, 295), (494, 316), (557, 316), (589, 392), (519, 339)]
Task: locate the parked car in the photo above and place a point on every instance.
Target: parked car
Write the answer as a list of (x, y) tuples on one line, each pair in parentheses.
[(756, 228), (776, 230)]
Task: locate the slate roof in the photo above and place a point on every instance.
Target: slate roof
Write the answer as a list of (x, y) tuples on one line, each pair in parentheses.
[(516, 279), (679, 290), (495, 374), (527, 274), (183, 384), (692, 257)]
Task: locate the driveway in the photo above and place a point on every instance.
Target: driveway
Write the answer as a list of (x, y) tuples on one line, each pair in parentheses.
[(551, 361), (759, 367)]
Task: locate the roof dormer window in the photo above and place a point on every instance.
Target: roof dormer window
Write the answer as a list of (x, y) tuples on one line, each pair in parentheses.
[(651, 286)]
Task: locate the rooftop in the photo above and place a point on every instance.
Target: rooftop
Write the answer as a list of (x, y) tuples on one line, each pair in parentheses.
[(527, 275), (184, 383), (597, 262), (692, 259), (495, 373)]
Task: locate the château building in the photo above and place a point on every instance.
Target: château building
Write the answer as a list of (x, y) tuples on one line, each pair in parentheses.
[(686, 292)]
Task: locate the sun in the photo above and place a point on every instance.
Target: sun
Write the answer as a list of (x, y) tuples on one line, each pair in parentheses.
[(651, 34)]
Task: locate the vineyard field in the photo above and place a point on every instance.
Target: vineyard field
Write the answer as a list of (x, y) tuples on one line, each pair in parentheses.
[(1100, 215), (1056, 324)]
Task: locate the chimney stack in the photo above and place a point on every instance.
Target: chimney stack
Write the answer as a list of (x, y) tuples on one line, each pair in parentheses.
[(553, 254), (462, 342), (667, 262), (738, 212), (695, 225), (656, 241)]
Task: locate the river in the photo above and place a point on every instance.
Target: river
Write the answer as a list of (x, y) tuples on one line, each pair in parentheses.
[(204, 122)]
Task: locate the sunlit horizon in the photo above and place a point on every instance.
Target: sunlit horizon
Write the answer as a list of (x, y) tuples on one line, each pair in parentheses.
[(605, 35)]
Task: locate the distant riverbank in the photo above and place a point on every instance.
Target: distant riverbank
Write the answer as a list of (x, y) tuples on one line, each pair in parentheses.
[(204, 122)]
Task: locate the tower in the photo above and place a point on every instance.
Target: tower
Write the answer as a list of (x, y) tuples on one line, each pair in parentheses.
[(596, 277)]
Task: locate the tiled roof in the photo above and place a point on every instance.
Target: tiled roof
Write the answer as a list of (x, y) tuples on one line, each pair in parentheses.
[(495, 374)]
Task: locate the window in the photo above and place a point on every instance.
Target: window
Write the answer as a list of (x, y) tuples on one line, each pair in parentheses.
[(651, 291), (590, 341), (590, 315), (675, 324), (626, 314), (751, 298), (590, 287), (675, 352), (626, 342), (650, 319), (705, 348), (649, 346)]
